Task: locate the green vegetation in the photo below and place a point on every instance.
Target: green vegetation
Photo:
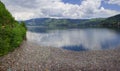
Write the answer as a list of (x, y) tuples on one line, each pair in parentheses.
[(64, 23), (12, 33), (112, 22)]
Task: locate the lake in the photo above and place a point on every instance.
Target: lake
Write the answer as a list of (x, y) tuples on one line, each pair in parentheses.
[(77, 39)]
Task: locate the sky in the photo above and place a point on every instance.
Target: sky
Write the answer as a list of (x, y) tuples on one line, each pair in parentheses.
[(73, 9)]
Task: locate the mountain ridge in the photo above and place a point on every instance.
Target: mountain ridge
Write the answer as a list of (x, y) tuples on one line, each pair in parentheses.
[(112, 22), (73, 22)]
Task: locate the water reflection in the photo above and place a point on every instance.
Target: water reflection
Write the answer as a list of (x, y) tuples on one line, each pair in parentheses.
[(77, 39)]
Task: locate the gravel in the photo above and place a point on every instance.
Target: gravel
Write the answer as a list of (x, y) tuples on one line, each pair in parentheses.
[(32, 57)]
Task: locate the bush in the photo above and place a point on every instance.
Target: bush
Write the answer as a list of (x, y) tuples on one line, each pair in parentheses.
[(12, 33)]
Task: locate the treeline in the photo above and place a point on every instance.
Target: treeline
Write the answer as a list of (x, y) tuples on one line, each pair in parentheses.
[(64, 23), (112, 22), (12, 33)]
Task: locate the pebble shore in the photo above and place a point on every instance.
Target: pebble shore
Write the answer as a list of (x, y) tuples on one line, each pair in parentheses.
[(31, 57)]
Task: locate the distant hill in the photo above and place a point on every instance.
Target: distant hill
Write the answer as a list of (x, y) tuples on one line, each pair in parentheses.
[(112, 22), (51, 23), (63, 23), (12, 33), (47, 21)]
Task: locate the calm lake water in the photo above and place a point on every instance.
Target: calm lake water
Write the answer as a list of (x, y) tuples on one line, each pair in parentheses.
[(77, 39)]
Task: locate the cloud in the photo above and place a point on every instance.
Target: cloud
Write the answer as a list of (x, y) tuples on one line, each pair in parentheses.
[(114, 2), (27, 9)]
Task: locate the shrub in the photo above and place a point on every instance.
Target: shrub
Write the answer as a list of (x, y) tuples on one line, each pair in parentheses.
[(12, 33)]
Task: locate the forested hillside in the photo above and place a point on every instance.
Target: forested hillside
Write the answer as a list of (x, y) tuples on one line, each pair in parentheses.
[(64, 23), (12, 33), (112, 22)]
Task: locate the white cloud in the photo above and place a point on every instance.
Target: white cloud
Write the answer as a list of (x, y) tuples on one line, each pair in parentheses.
[(94, 40), (27, 9), (114, 2)]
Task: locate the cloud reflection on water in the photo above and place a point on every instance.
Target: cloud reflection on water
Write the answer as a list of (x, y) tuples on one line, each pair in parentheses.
[(91, 39)]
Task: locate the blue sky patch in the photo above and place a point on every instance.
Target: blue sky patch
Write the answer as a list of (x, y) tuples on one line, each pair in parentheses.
[(111, 6), (73, 1), (105, 5)]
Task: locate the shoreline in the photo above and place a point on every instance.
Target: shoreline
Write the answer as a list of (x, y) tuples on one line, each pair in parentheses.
[(30, 57)]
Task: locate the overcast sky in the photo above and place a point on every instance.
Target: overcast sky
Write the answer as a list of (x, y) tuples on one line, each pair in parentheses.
[(75, 9)]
